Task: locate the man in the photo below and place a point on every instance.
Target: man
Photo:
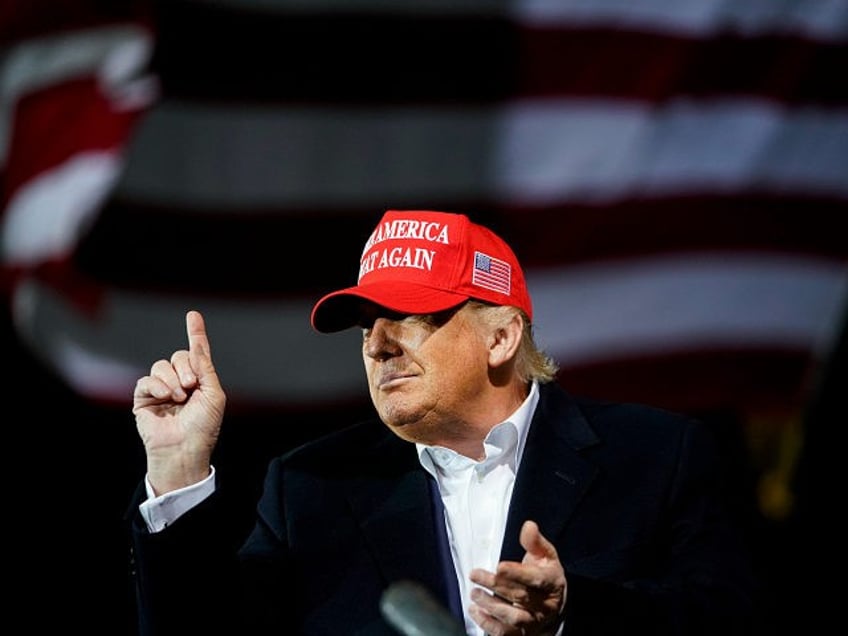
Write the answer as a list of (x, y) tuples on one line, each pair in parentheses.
[(521, 508)]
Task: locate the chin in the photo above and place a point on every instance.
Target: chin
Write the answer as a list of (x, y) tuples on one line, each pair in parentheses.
[(408, 428)]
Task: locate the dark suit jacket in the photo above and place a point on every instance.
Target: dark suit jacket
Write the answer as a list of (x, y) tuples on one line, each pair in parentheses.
[(630, 495)]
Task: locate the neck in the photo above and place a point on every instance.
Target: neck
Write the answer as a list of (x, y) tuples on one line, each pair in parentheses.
[(469, 434)]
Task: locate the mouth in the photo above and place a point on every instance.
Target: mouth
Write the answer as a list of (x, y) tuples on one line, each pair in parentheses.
[(390, 380)]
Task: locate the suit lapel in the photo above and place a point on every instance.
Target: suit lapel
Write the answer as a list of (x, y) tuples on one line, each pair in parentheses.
[(552, 476), (395, 512)]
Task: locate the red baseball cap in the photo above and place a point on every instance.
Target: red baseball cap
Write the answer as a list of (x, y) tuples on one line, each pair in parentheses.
[(423, 262)]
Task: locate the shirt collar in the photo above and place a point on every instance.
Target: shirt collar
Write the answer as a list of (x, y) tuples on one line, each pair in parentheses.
[(504, 442)]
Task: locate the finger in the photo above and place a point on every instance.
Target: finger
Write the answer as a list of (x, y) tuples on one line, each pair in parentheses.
[(496, 616), (198, 341), (167, 374), (508, 584), (494, 605), (510, 578), (489, 624), (150, 387), (182, 367), (200, 354), (482, 577)]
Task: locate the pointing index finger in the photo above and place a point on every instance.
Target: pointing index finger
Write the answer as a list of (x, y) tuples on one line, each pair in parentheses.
[(198, 342)]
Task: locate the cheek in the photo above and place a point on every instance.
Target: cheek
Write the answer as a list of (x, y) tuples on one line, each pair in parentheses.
[(463, 364)]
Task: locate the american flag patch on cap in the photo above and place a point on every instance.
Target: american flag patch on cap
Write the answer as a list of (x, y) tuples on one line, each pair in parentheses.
[(491, 273)]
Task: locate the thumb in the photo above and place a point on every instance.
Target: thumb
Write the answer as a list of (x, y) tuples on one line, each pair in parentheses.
[(535, 543)]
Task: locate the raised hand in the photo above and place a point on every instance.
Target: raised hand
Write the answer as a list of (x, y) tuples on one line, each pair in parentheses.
[(178, 411)]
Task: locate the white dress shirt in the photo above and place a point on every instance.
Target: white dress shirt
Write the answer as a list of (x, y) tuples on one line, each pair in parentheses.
[(476, 496)]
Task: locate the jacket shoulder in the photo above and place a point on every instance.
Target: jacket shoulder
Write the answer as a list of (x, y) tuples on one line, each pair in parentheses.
[(610, 419)]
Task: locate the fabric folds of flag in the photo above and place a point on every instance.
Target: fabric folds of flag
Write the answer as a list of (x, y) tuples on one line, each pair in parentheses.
[(672, 175)]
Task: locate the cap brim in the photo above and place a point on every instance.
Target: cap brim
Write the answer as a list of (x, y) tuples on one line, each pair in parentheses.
[(342, 309)]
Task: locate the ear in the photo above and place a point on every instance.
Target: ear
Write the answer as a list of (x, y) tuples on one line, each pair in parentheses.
[(505, 341)]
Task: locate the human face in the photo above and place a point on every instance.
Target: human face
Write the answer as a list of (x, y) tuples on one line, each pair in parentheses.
[(428, 374)]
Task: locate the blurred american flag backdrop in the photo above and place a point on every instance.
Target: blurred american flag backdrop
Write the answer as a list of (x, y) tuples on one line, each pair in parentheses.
[(673, 174)]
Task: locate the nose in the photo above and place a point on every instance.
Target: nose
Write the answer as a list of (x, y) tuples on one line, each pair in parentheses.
[(381, 340)]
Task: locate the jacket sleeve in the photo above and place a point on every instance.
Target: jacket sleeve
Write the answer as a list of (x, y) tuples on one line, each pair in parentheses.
[(186, 576)]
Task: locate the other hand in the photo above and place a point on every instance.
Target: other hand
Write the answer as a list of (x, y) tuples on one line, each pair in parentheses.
[(525, 598)]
